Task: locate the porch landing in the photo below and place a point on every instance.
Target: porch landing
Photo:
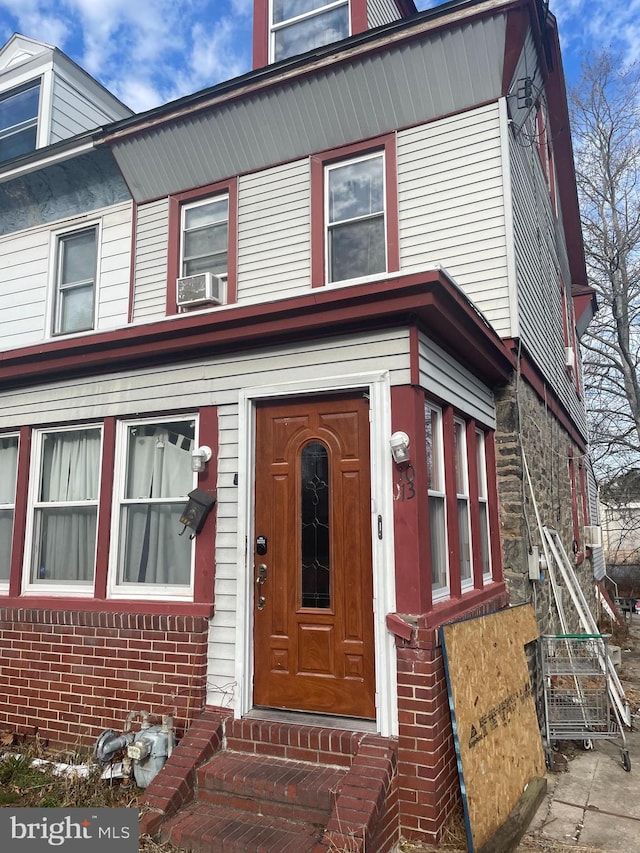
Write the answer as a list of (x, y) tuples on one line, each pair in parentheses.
[(259, 786)]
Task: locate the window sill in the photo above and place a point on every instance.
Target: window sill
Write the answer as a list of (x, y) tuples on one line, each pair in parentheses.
[(157, 607), (470, 600)]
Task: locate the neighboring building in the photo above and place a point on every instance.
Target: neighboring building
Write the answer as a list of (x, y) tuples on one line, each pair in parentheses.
[(620, 513), (377, 236)]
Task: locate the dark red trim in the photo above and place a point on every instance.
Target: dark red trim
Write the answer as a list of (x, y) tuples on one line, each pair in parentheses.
[(260, 33), (132, 264), (494, 515), (176, 201), (472, 602), (427, 298), (20, 511), (358, 15), (586, 509), (455, 586), (411, 507), (547, 395), (104, 507), (387, 144), (574, 497), (414, 356), (517, 26), (206, 539)]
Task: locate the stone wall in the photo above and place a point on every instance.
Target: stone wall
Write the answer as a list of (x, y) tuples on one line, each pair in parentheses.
[(524, 421)]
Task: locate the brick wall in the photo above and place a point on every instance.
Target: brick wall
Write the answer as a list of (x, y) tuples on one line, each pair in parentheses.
[(72, 674)]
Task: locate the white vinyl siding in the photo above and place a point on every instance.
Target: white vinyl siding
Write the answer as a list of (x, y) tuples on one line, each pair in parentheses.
[(446, 379), (150, 275), (274, 249), (451, 206), (213, 382), (27, 263), (381, 12)]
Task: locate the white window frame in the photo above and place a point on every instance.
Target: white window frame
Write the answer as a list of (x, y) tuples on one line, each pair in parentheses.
[(190, 205), (439, 593), (483, 500), (10, 506), (328, 226), (325, 6), (76, 588), (59, 238), (462, 496), (149, 591)]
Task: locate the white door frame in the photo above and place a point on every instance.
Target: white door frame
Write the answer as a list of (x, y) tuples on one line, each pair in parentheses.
[(377, 385)]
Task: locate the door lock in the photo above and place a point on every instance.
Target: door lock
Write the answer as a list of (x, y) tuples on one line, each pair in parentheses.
[(260, 579)]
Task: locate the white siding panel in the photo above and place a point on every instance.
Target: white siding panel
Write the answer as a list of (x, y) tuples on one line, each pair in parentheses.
[(445, 378), (451, 206), (115, 269), (152, 243), (274, 249)]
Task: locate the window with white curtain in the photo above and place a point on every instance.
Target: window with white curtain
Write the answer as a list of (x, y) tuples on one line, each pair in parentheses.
[(151, 492), (8, 469), (64, 509), (437, 502)]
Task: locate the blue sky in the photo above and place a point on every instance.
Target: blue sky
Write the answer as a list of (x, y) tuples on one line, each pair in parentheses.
[(148, 52)]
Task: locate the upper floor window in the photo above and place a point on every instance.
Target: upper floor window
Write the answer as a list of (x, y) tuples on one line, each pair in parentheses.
[(355, 218), (8, 468), (354, 212), (74, 302), (19, 120), (300, 25), (149, 498), (64, 508), (205, 237)]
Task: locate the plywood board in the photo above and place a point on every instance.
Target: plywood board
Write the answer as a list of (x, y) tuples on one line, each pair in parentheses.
[(498, 742)]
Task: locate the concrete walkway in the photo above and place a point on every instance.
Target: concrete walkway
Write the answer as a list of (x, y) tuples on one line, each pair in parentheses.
[(595, 803)]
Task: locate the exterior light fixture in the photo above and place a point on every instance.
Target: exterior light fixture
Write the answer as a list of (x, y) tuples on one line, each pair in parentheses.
[(400, 447), (199, 458)]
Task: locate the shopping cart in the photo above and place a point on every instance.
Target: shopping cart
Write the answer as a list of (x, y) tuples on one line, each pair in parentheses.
[(576, 692)]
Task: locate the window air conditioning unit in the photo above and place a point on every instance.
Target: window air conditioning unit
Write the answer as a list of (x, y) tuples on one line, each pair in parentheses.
[(199, 289), (593, 536), (570, 358)]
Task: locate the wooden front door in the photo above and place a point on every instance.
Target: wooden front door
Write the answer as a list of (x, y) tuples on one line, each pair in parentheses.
[(313, 601)]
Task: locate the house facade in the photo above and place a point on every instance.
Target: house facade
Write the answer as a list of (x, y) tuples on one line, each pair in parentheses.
[(369, 241)]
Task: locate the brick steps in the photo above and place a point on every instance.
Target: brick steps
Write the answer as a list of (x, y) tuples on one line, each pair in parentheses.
[(255, 787)]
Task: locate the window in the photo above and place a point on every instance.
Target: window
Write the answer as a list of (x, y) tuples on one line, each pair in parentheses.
[(74, 307), (64, 508), (301, 25), (437, 502), (483, 505), (205, 237), (19, 121), (355, 217), (462, 499), (150, 496), (8, 469)]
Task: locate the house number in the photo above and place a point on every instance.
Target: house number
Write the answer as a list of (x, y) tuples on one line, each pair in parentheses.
[(405, 488)]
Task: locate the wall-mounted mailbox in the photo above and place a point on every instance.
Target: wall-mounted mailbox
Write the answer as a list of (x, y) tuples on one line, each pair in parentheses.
[(196, 510)]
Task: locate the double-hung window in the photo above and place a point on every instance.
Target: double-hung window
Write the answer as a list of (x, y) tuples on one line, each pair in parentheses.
[(355, 218), (8, 469), (204, 241), (437, 502), (152, 558), (64, 509), (300, 25), (483, 505), (19, 120), (462, 501), (75, 286)]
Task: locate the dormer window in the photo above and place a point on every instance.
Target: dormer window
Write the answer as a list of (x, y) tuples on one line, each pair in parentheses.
[(300, 25), (19, 120)]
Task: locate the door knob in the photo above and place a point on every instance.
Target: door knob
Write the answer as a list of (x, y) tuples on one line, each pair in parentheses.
[(260, 579)]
